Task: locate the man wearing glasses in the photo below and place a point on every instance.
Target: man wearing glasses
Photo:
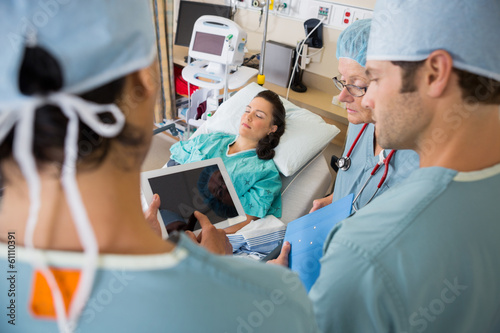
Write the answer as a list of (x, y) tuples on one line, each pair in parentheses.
[(362, 151)]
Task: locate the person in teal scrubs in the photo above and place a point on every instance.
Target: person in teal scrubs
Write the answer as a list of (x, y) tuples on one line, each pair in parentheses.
[(247, 156), (424, 256), (76, 252), (352, 82)]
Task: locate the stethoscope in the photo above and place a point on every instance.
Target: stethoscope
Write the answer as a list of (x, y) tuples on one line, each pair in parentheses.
[(344, 163), (381, 160)]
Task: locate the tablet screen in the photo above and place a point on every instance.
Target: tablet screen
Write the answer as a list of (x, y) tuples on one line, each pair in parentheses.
[(202, 189)]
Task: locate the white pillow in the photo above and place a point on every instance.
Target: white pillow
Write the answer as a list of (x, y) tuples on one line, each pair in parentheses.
[(306, 133)]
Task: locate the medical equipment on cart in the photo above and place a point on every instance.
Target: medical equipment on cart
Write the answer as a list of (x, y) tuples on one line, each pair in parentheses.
[(218, 45)]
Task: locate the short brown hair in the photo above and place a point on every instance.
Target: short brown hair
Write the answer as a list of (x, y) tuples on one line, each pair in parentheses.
[(409, 70), (475, 88)]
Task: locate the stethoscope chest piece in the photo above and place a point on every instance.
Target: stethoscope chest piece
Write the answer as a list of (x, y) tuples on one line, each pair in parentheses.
[(344, 163)]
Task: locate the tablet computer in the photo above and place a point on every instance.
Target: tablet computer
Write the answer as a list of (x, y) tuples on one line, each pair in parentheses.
[(204, 186)]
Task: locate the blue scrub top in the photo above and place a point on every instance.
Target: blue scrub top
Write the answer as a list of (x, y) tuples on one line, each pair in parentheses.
[(187, 290), (363, 161), (422, 257)]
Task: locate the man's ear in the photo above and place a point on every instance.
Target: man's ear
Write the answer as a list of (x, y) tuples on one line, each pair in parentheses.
[(438, 70)]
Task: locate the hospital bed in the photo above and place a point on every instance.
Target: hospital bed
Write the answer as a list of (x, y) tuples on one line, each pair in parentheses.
[(304, 171)]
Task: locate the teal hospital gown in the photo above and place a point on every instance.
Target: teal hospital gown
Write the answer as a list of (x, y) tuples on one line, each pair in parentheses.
[(188, 290), (422, 257), (257, 182)]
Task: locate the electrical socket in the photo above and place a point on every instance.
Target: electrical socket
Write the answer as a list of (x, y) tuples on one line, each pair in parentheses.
[(342, 16), (347, 18)]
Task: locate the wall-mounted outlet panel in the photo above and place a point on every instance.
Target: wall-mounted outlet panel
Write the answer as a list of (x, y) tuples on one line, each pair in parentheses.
[(335, 15), (320, 10), (345, 15)]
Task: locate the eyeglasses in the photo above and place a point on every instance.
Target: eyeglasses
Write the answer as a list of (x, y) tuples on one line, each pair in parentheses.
[(351, 88)]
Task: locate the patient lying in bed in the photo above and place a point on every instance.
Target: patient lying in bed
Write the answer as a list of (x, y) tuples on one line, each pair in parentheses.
[(247, 156), (306, 135)]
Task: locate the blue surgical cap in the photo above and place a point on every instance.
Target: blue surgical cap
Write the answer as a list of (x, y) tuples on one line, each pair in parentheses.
[(410, 30), (353, 41), (94, 41)]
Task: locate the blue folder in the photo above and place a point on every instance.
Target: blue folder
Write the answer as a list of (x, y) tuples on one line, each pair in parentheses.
[(307, 235)]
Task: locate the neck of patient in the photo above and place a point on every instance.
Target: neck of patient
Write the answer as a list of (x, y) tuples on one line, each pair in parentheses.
[(466, 140), (112, 202), (242, 144)]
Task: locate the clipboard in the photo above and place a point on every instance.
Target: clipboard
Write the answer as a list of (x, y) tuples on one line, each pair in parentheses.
[(307, 236)]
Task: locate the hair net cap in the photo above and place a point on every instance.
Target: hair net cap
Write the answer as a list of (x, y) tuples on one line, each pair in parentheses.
[(353, 41), (410, 30), (94, 41)]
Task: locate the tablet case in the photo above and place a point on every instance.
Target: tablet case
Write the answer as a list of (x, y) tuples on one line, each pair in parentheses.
[(307, 235)]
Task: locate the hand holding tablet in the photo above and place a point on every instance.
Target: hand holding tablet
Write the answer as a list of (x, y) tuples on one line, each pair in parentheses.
[(203, 186)]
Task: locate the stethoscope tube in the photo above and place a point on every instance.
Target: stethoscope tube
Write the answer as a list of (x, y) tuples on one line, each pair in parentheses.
[(344, 163), (381, 161)]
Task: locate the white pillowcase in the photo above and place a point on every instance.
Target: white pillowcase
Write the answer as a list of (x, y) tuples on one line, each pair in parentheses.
[(306, 133)]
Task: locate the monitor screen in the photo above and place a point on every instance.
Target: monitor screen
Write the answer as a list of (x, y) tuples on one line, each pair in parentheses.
[(189, 12), (208, 43)]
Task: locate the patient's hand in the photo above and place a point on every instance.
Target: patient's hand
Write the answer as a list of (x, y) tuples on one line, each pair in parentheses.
[(320, 203), (151, 214), (234, 228), (282, 259), (211, 238)]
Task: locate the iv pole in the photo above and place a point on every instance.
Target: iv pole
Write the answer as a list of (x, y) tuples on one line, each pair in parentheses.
[(261, 78)]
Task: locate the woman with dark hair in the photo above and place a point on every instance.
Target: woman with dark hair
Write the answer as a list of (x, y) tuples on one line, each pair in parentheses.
[(76, 109), (247, 156)]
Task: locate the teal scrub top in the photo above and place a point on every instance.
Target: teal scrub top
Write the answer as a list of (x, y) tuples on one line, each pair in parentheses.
[(257, 182), (422, 257), (188, 290), (363, 161)]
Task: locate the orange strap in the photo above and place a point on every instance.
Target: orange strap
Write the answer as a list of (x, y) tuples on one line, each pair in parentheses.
[(42, 303)]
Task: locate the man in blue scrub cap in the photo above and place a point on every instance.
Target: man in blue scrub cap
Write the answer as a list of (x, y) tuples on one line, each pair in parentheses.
[(78, 84), (424, 256), (364, 154)]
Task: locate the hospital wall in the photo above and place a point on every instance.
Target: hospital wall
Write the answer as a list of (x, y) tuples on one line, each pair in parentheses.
[(290, 31)]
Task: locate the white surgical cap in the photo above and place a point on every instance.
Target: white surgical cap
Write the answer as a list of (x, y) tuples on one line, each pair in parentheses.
[(94, 42), (409, 30), (353, 41)]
